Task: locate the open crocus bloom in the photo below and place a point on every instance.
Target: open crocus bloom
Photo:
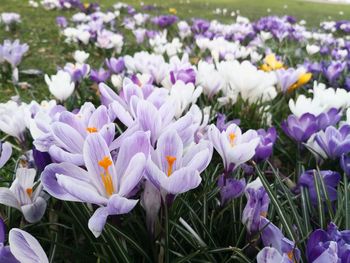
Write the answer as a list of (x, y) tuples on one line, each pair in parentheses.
[(271, 255), (173, 171), (105, 183), (22, 195), (71, 130), (234, 147), (25, 248)]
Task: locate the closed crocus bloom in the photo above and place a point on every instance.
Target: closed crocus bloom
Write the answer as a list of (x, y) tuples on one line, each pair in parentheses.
[(25, 248), (115, 65), (273, 237), (171, 170), (5, 153), (60, 85), (209, 78), (267, 141), (312, 49), (22, 195), (300, 129), (233, 146), (80, 56), (105, 183), (257, 205)]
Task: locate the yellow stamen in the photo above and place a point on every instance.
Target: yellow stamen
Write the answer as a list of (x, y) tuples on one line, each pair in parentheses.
[(91, 129), (170, 160), (29, 191), (86, 5), (303, 79), (232, 137), (106, 176)]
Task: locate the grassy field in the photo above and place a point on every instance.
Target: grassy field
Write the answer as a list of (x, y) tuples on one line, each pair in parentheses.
[(47, 51)]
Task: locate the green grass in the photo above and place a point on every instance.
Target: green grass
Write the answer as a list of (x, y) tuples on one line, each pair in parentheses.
[(47, 50)]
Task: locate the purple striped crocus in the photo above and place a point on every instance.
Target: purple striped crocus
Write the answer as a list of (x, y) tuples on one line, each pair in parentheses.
[(105, 182)]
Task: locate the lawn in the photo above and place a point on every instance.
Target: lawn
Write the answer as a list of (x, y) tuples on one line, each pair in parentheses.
[(47, 51)]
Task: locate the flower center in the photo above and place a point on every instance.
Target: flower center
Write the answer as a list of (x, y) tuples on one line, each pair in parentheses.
[(106, 176), (29, 192), (303, 79), (91, 129), (290, 255), (232, 137), (170, 160)]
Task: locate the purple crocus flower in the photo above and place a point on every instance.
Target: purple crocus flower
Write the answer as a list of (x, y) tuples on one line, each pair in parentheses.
[(300, 129), (100, 75), (164, 20), (41, 159), (70, 131), (200, 26), (5, 153), (273, 237), (25, 248), (115, 65), (331, 180), (230, 188), (22, 196), (329, 118), (77, 71), (221, 123), (12, 52), (265, 147), (61, 21), (328, 246), (334, 142), (105, 183), (171, 170), (186, 75), (256, 207), (333, 71)]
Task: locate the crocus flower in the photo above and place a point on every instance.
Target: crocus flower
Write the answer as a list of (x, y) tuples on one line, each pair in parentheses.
[(291, 79), (77, 71), (271, 255), (272, 236), (257, 205), (23, 197), (230, 188), (69, 132), (334, 142), (13, 52), (164, 20), (60, 85), (333, 71), (80, 56), (221, 123), (300, 129), (271, 63), (25, 248), (5, 153), (5, 252), (234, 147), (105, 183), (267, 141), (100, 75), (61, 21), (331, 245), (115, 65), (330, 179), (173, 171)]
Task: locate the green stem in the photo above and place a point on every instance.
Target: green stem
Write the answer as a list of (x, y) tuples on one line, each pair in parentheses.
[(166, 222), (347, 205)]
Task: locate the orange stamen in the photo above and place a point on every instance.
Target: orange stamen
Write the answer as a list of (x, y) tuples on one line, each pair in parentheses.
[(29, 191), (106, 176), (232, 137), (91, 129), (170, 160), (290, 255), (263, 214)]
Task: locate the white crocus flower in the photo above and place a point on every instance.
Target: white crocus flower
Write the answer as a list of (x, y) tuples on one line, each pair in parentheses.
[(183, 95), (60, 85), (312, 49), (209, 78), (80, 56), (12, 119)]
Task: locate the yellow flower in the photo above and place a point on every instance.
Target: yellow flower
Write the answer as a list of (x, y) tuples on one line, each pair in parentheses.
[(303, 79), (172, 10), (86, 5), (271, 63)]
